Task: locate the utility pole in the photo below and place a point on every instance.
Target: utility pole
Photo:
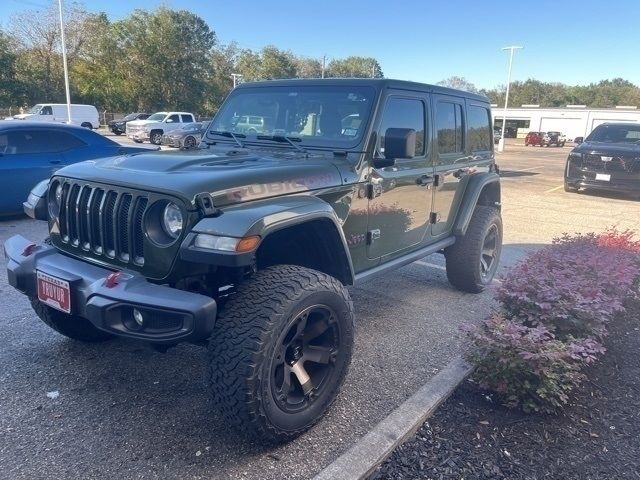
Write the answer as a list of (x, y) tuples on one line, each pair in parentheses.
[(64, 62), (236, 78), (506, 98), (324, 63)]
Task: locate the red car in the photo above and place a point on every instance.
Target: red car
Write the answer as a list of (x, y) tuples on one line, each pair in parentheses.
[(544, 139)]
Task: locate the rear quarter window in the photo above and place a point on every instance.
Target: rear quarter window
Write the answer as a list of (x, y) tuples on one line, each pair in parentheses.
[(478, 128)]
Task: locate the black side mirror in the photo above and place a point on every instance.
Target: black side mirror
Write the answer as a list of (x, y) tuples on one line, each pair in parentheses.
[(578, 140), (398, 143)]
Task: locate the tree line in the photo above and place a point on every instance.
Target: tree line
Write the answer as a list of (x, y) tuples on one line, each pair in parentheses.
[(150, 60), (604, 94), (165, 58)]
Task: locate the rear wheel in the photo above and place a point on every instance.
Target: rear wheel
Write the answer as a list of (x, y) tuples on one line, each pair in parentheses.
[(86, 125), (473, 260), (71, 326), (280, 351), (117, 132)]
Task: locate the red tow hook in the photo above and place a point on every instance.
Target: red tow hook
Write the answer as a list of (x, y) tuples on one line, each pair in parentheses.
[(112, 279), (28, 250)]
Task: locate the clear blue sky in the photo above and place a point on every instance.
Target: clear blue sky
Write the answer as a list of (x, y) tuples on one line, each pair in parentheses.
[(568, 41)]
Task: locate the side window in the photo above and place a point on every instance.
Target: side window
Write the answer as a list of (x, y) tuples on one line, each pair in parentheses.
[(478, 129), (175, 118), (187, 118), (63, 141), (47, 110), (449, 127), (404, 113), (28, 141)]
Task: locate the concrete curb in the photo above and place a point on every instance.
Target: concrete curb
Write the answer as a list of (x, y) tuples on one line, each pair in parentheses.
[(371, 450)]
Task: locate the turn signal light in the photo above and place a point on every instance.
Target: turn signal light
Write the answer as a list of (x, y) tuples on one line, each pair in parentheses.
[(247, 244)]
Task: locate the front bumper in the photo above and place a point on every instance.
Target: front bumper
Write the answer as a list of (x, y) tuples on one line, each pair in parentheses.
[(141, 135), (577, 176), (117, 129), (171, 141), (171, 315)]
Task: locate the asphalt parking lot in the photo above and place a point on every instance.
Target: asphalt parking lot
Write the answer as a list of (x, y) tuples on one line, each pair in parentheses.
[(124, 410)]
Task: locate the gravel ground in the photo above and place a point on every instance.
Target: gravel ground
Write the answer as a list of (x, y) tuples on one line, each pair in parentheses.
[(596, 437), (126, 410)]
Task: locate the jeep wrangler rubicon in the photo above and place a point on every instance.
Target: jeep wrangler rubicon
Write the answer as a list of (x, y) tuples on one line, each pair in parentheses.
[(247, 244)]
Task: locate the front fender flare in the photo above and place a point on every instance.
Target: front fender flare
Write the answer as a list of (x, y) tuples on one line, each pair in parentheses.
[(262, 218), (472, 194)]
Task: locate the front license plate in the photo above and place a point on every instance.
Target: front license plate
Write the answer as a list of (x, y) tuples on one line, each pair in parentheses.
[(605, 177), (54, 292)]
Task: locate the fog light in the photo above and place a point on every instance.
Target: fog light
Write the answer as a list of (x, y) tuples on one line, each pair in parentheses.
[(137, 316)]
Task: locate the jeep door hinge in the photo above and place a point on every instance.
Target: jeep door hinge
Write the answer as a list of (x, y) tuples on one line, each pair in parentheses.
[(373, 235)]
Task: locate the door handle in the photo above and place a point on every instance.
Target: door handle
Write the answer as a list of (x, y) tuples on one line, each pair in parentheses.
[(424, 180)]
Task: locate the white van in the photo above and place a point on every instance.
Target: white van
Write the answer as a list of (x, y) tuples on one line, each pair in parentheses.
[(83, 115)]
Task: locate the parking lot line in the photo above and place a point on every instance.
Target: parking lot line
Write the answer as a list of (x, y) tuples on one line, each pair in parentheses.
[(554, 189)]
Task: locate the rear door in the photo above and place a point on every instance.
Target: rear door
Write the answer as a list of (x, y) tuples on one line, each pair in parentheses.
[(450, 159)]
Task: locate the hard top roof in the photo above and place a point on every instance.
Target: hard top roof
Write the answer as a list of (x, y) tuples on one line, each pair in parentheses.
[(378, 83)]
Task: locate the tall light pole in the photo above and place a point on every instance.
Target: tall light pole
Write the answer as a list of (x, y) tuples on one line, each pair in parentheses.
[(64, 62), (506, 98)]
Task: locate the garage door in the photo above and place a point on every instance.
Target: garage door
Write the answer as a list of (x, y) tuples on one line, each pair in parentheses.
[(571, 127)]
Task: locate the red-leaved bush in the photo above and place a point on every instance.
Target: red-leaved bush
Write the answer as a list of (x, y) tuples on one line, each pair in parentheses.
[(555, 306)]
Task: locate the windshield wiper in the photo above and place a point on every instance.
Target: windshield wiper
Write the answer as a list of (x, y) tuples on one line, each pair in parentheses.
[(283, 139), (235, 136)]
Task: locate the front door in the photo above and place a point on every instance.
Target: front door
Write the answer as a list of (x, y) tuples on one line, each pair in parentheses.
[(400, 196)]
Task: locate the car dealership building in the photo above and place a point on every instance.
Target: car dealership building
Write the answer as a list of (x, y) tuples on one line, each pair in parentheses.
[(573, 120)]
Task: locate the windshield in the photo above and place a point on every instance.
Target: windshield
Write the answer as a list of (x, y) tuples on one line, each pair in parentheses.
[(317, 115), (35, 109), (157, 116), (131, 116), (616, 134)]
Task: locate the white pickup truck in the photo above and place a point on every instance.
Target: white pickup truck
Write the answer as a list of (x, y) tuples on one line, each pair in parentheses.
[(157, 125)]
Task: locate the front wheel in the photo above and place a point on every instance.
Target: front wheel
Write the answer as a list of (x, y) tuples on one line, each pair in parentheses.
[(473, 260), (156, 137), (189, 142), (280, 351)]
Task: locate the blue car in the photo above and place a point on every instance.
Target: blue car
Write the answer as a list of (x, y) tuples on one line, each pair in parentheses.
[(32, 151)]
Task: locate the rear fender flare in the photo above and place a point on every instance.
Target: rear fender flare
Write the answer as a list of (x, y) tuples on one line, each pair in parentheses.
[(483, 188)]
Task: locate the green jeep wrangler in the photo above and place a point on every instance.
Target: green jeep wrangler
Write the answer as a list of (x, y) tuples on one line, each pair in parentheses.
[(247, 245)]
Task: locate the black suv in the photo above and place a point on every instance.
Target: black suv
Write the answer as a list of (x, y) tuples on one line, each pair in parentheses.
[(120, 126), (608, 159), (247, 244)]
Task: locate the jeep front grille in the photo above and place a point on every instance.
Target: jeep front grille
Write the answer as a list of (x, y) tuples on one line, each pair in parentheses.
[(108, 223)]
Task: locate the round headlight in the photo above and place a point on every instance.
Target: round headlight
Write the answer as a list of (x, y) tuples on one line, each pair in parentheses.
[(172, 220)]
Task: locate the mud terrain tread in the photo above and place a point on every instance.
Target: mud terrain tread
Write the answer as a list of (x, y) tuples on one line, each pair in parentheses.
[(463, 256), (239, 343)]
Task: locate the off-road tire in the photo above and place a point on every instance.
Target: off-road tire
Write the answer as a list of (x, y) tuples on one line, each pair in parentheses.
[(155, 137), (463, 258), (71, 326), (245, 340)]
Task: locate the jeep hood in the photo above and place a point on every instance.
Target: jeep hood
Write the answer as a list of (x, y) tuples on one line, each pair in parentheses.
[(229, 177)]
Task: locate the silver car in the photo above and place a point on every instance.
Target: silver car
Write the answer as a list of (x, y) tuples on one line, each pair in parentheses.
[(186, 137)]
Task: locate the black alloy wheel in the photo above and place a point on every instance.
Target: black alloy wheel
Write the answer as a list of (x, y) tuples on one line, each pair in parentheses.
[(304, 361)]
